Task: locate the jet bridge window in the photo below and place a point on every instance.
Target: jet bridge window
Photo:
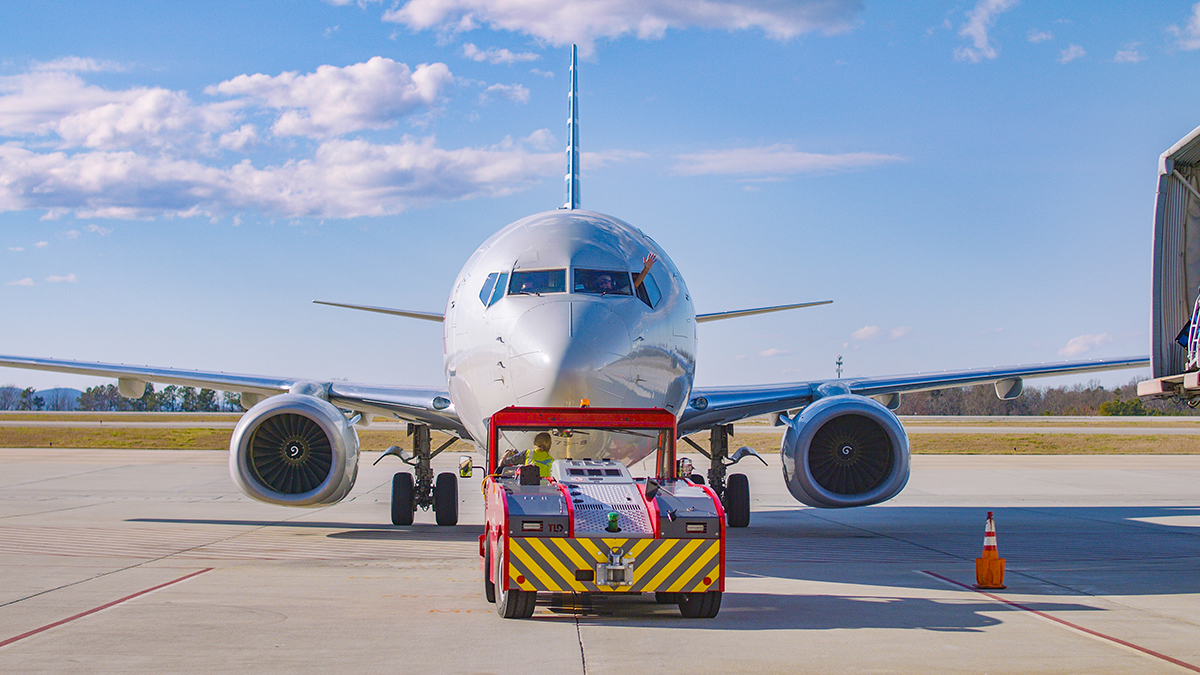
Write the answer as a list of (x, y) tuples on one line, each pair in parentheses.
[(602, 282), (538, 282)]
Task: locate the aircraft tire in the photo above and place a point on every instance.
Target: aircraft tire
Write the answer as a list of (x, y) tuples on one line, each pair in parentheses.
[(403, 502), (737, 500), (700, 605), (445, 499)]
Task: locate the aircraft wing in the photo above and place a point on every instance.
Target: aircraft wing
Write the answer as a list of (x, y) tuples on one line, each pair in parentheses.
[(414, 404), (711, 406)]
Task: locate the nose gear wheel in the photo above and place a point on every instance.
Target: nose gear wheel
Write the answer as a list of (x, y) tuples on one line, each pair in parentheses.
[(290, 454)]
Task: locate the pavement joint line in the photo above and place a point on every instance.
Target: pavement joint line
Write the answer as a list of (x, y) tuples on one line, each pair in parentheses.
[(1124, 522), (1144, 651), (154, 560), (93, 610), (892, 537), (67, 508), (582, 654), (70, 475)]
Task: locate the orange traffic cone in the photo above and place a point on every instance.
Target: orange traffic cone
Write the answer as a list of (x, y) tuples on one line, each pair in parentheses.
[(989, 568)]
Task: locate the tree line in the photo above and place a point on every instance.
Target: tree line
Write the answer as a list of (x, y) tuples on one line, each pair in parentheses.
[(1090, 399), (1086, 400), (171, 398)]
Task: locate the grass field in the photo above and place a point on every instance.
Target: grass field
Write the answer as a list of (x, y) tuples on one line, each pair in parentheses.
[(377, 440), (177, 439)]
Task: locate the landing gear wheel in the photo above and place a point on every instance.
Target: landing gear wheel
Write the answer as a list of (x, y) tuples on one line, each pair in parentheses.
[(489, 587), (700, 605), (445, 499), (737, 500), (513, 603), (665, 598), (403, 503)]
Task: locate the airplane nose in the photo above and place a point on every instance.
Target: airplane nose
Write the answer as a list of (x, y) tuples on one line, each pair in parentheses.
[(562, 352)]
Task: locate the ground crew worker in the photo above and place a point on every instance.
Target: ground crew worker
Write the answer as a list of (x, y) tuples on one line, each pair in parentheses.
[(539, 455)]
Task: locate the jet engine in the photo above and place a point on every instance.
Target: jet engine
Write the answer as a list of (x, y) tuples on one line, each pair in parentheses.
[(294, 450), (845, 450)]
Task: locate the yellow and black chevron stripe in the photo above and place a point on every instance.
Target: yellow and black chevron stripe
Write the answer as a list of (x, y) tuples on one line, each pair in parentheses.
[(672, 565)]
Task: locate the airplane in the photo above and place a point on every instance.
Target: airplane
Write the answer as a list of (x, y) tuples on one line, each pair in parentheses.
[(557, 308)]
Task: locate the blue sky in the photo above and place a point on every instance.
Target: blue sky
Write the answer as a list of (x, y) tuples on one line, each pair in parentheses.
[(971, 183)]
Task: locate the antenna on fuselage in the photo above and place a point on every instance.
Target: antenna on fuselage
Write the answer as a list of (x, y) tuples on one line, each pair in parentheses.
[(572, 178)]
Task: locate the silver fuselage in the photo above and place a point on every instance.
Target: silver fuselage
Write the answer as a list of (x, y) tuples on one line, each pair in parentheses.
[(558, 348)]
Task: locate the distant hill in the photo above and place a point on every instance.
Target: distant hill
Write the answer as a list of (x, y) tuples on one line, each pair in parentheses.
[(59, 398)]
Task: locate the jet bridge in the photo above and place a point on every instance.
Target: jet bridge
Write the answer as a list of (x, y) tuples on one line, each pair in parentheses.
[(1175, 329)]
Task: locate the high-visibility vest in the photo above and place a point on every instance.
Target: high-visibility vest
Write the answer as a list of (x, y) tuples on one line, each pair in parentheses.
[(541, 458)]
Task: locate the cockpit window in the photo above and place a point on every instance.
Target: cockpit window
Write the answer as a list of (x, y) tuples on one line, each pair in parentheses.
[(485, 294), (602, 282), (538, 282), (648, 292), (499, 290)]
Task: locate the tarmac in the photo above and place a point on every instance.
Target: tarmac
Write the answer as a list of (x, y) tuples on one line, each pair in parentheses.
[(151, 561)]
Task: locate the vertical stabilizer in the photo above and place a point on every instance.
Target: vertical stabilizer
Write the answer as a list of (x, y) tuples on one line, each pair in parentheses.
[(572, 178)]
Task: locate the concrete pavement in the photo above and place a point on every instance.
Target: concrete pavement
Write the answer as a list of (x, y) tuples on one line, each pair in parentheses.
[(1103, 557)]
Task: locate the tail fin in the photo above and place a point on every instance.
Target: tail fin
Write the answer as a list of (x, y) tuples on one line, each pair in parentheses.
[(572, 178)]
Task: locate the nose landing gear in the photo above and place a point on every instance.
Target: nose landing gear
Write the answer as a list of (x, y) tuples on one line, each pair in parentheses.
[(421, 488)]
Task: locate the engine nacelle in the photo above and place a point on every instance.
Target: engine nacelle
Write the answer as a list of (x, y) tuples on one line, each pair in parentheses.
[(845, 450), (294, 450)]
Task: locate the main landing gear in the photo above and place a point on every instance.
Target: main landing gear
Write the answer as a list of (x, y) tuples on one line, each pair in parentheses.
[(421, 488), (733, 489)]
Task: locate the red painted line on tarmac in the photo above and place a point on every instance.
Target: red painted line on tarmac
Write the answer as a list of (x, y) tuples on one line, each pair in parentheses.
[(47, 627), (1081, 629)]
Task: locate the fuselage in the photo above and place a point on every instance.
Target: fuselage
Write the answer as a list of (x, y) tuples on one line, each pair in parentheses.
[(545, 313)]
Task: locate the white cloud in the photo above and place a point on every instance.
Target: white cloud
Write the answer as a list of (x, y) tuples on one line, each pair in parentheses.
[(1188, 37), (497, 56), (76, 64), (41, 244), (876, 333), (583, 21), (343, 179), (867, 333), (21, 282), (244, 137), (979, 20), (69, 234), (1083, 344), (1036, 36), (773, 160), (84, 115), (1071, 53), (96, 229), (1129, 55), (546, 74), (16, 249), (333, 100), (70, 279), (512, 92), (773, 351)]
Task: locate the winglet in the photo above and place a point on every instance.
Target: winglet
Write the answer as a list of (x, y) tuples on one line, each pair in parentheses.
[(572, 178)]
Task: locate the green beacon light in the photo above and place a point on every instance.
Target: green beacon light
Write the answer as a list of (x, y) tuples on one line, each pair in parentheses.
[(612, 522)]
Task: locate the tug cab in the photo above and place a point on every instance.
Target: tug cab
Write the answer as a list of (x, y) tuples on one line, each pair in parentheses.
[(591, 526)]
